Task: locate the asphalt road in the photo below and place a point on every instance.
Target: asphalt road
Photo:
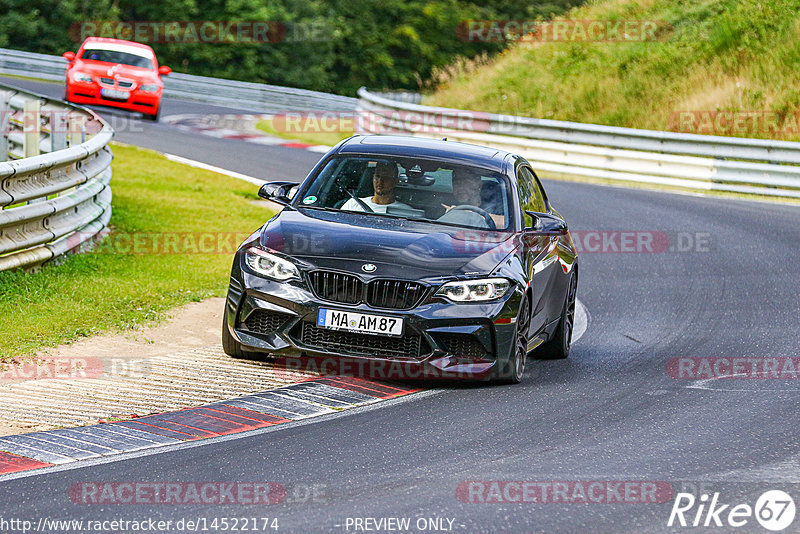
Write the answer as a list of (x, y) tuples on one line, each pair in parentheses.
[(609, 413)]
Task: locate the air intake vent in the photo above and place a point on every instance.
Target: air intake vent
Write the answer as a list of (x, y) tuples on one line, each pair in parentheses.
[(463, 346), (265, 321), (353, 343)]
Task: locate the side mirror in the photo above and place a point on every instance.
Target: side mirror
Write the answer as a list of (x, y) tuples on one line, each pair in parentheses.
[(277, 192), (69, 56), (536, 222), (163, 70), (547, 224)]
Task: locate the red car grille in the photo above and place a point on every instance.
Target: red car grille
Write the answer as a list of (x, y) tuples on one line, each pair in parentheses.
[(124, 84)]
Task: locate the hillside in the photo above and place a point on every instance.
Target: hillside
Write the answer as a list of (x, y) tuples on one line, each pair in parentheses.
[(722, 67)]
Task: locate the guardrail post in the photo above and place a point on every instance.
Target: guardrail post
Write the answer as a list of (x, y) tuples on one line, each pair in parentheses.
[(58, 129), (5, 113), (31, 127)]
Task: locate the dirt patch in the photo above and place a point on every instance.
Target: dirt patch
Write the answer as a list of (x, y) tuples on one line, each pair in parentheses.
[(195, 325)]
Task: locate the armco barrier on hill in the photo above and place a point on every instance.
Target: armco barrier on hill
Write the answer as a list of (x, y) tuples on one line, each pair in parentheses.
[(752, 166), (55, 169)]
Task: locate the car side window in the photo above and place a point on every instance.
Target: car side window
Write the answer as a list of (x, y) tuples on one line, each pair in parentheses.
[(540, 194), (530, 196)]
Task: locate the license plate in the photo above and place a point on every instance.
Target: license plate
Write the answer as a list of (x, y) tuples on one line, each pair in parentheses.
[(113, 93), (360, 322)]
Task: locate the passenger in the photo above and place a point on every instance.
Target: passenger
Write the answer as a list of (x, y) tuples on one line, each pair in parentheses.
[(467, 186)]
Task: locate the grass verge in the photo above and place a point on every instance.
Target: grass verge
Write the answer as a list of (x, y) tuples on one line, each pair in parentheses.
[(311, 138), (174, 230), (30, 78)]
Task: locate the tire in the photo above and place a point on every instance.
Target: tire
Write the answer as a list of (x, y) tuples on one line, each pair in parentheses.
[(233, 348), (558, 347), (515, 369), (154, 117)]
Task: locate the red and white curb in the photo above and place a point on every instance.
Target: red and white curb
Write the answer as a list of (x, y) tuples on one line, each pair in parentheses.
[(233, 126), (312, 398), (287, 404)]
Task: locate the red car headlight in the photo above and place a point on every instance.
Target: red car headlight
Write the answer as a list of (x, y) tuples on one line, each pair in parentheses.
[(78, 76)]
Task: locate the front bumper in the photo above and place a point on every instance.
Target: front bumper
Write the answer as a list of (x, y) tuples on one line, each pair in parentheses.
[(441, 339), (146, 102)]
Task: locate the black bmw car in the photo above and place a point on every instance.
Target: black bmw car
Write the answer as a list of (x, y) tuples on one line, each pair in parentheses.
[(406, 258)]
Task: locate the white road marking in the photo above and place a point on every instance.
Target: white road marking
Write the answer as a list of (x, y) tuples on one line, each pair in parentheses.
[(581, 320), (704, 385), (212, 168)]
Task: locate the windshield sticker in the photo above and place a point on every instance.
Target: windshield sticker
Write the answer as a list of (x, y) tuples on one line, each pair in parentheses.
[(309, 200)]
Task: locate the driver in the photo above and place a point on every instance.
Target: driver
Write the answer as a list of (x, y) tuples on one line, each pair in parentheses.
[(467, 192), (467, 187), (384, 180)]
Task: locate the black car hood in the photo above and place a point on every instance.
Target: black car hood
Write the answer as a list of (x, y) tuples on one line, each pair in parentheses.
[(397, 247)]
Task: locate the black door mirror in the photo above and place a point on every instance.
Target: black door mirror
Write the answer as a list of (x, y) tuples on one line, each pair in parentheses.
[(277, 192), (546, 223)]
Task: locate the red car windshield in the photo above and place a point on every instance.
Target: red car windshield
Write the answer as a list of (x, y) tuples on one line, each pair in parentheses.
[(114, 56)]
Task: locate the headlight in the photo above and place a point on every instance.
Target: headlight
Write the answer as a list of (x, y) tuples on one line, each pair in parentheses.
[(149, 87), (475, 290), (81, 77), (270, 265)]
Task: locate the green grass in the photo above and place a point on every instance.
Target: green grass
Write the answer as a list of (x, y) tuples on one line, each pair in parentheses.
[(312, 138), (31, 78), (727, 55), (102, 291)]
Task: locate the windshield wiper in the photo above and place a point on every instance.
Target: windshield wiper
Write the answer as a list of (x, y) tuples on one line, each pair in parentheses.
[(413, 219), (320, 208)]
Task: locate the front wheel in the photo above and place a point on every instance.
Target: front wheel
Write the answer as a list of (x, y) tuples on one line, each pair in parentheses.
[(515, 368), (558, 347), (154, 116), (233, 348)]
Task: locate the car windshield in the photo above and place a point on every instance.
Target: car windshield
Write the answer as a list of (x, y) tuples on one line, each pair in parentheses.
[(422, 189), (115, 56)]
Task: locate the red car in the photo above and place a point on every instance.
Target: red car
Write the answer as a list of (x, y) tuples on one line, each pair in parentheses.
[(117, 73)]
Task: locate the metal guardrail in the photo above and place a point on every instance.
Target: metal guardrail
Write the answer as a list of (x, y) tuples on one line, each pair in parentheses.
[(752, 166), (258, 97), (54, 177), (255, 97)]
